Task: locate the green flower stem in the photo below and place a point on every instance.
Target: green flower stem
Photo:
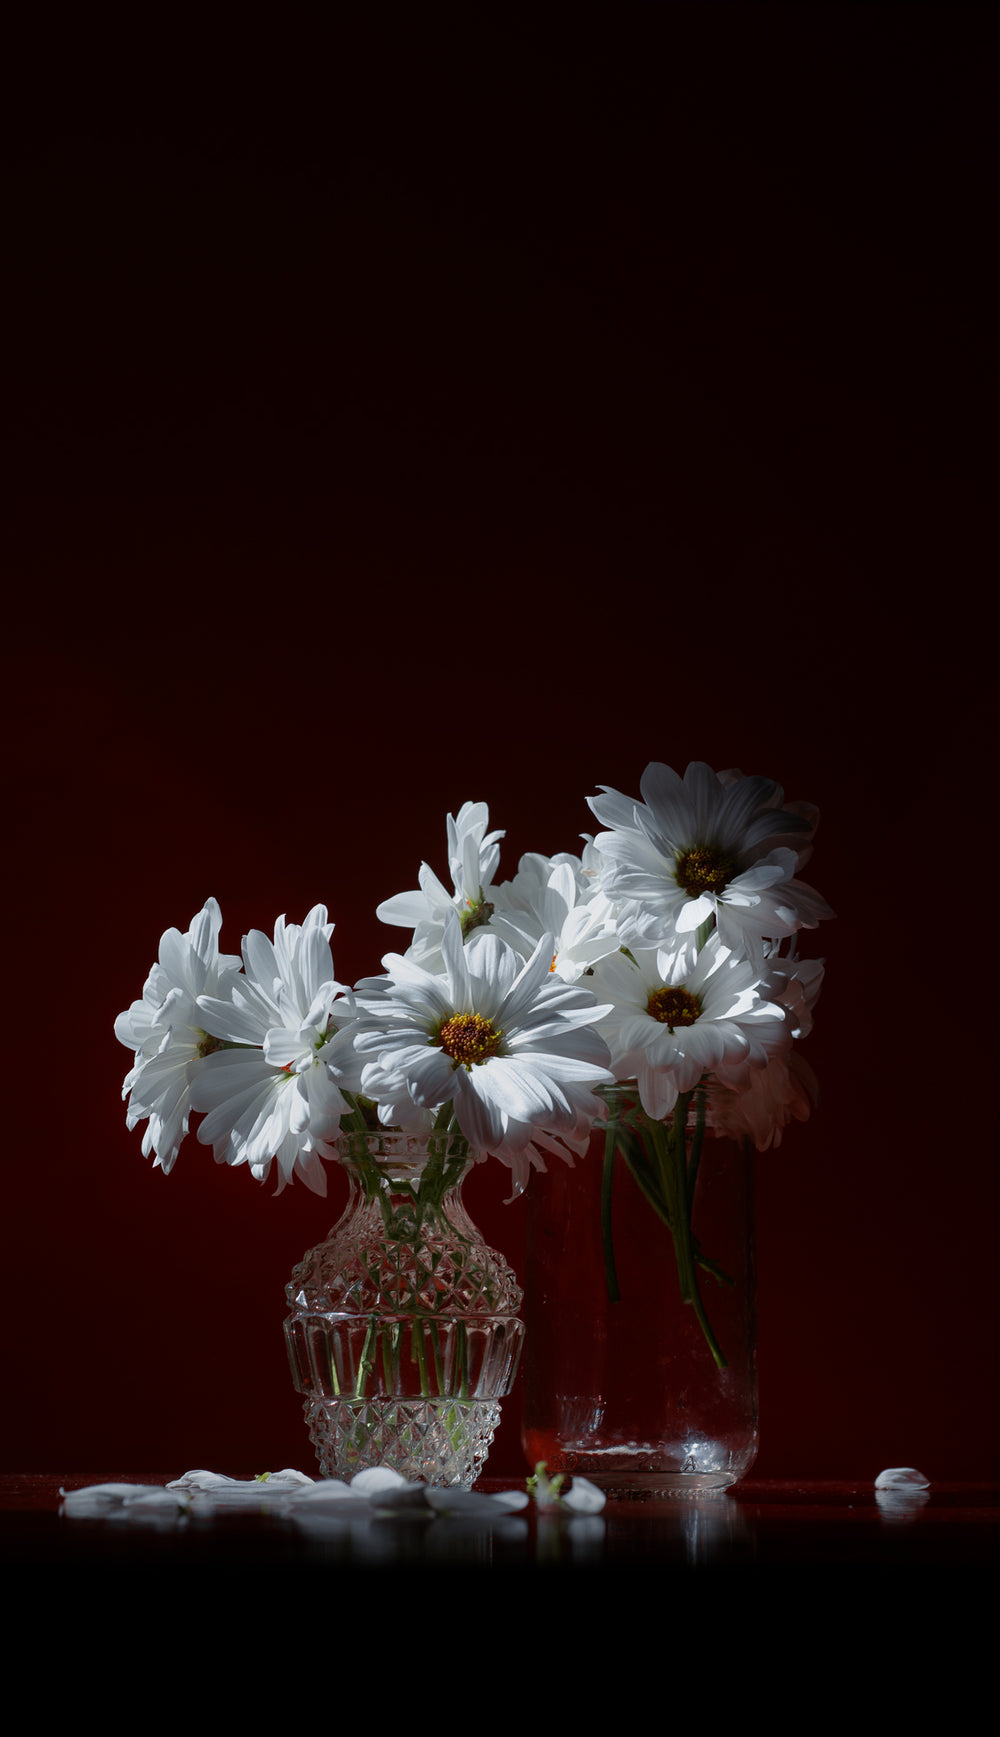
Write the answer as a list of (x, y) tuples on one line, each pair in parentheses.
[(463, 1360), (697, 1141), (611, 1275), (366, 1363), (405, 1206), (418, 1346), (390, 1340), (647, 1176), (658, 1160), (353, 1122), (438, 1362), (449, 1152), (670, 1146), (710, 1266)]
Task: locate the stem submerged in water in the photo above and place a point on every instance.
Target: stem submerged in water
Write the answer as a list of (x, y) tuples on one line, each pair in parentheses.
[(671, 1147), (610, 1274), (662, 1166)]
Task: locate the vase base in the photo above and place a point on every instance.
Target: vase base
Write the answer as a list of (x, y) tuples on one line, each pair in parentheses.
[(440, 1442)]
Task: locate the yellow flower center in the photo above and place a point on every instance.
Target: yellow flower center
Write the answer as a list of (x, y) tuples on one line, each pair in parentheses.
[(469, 1039), (673, 1007), (703, 870)]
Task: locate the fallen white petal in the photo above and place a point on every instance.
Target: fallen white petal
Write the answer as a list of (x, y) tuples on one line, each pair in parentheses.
[(376, 1491), (901, 1477), (157, 1498), (464, 1503), (276, 1483), (375, 1479), (584, 1497), (511, 1500), (99, 1498), (204, 1481), (325, 1491)]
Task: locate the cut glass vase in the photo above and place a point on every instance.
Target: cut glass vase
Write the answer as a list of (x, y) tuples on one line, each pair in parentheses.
[(404, 1334)]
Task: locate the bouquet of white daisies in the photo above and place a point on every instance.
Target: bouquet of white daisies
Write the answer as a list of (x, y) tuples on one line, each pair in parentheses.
[(651, 984)]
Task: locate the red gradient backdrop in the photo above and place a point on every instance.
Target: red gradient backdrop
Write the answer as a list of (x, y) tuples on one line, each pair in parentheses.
[(362, 471)]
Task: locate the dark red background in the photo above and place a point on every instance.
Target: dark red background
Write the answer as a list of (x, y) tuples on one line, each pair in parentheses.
[(402, 419)]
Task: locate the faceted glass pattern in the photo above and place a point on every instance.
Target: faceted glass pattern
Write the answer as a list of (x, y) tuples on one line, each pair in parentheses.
[(403, 1333)]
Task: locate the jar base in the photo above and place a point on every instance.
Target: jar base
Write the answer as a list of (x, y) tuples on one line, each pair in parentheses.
[(638, 1470), (642, 1486)]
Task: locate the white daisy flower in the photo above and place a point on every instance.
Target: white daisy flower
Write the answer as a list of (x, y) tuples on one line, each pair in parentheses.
[(167, 1033), (784, 1090), (473, 856), (672, 1022), (795, 983), (556, 896), (708, 845), (508, 1043), (758, 1103), (281, 1098)]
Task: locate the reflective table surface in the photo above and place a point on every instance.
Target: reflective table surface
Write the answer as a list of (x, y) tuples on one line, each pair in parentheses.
[(800, 1598), (783, 1527)]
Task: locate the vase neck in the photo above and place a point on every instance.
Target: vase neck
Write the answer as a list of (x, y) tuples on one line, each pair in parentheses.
[(430, 1163)]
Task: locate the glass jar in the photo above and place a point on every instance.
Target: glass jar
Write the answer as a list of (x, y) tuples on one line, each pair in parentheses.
[(655, 1391)]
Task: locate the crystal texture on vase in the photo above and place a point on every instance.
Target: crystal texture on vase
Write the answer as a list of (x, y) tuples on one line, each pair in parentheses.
[(404, 1332)]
